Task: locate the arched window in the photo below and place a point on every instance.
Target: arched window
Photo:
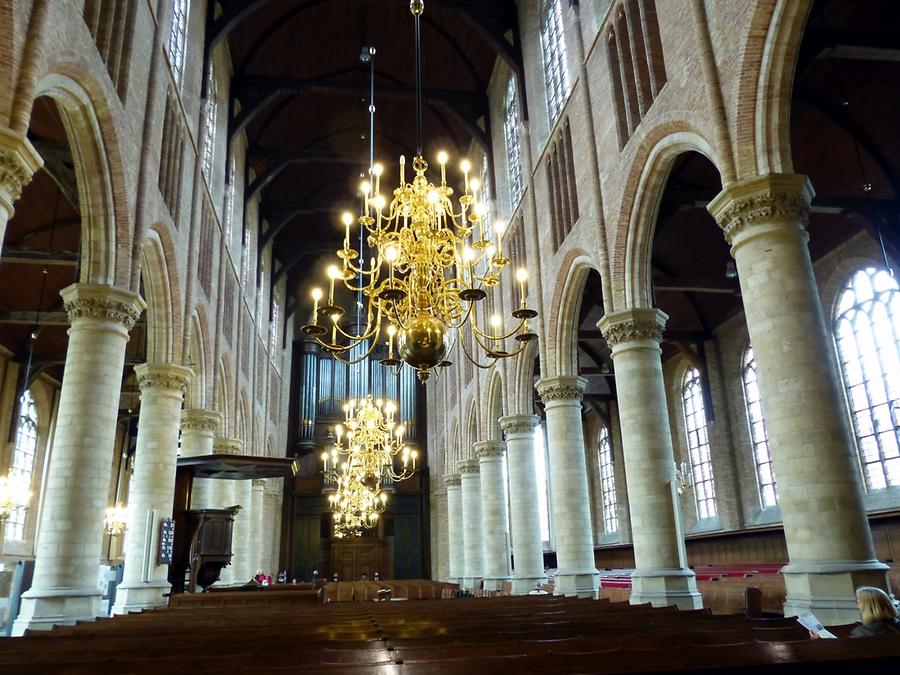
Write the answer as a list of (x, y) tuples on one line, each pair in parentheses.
[(275, 328), (608, 484), (867, 332), (768, 494), (553, 44), (229, 206), (175, 48), (209, 131), (540, 466), (698, 442), (511, 135), (487, 219), (23, 461)]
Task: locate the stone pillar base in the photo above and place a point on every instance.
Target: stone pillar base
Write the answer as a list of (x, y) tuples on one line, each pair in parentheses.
[(494, 583), (48, 608), (665, 587), (140, 596), (584, 583), (524, 585), (828, 590), (470, 582)]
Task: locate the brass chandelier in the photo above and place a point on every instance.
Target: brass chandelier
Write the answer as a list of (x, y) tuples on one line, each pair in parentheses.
[(355, 507), (364, 452), (431, 263)]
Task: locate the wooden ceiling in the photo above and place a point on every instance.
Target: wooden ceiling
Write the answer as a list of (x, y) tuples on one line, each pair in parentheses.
[(301, 92)]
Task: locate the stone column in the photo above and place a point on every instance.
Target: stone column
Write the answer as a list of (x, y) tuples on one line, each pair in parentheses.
[(494, 516), (198, 428), (272, 495), (525, 517), (661, 575), (473, 529), (455, 543), (242, 543), (68, 549), (223, 496), (18, 163), (259, 527), (577, 574), (144, 582), (439, 555), (819, 485)]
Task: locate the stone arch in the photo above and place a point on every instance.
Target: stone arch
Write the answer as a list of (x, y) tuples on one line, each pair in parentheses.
[(221, 399), (452, 452), (767, 63), (197, 358), (241, 427), (520, 400), (650, 173), (161, 343), (7, 57), (562, 348), (493, 406), (467, 451), (106, 226)]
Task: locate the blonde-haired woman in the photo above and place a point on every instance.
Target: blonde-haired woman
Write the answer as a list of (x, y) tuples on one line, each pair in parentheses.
[(878, 612)]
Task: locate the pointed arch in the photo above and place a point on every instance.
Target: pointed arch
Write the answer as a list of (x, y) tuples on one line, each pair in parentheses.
[(161, 342), (221, 399), (640, 207), (471, 431), (562, 343), (493, 406), (198, 360), (106, 220)]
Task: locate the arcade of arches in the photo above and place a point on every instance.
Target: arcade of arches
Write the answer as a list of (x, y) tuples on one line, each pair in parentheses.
[(706, 195)]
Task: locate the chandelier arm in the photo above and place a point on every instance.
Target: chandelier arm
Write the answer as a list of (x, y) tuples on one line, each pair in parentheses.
[(497, 338), (473, 360)]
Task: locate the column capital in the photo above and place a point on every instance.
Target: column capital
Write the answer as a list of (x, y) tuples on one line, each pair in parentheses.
[(102, 303), (223, 445), (519, 424), (637, 323), (774, 198), (488, 450), (162, 376), (258, 483), (197, 419), (18, 163), (562, 388), (451, 480), (467, 467)]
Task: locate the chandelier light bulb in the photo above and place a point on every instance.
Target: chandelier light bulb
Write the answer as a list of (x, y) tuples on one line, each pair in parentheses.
[(333, 272), (347, 218), (379, 202), (391, 330), (391, 253), (377, 169), (365, 187), (521, 275), (475, 184), (316, 294), (496, 321), (442, 158), (465, 166)]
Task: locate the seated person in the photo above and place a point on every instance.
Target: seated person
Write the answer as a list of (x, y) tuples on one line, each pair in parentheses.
[(260, 578), (878, 612)]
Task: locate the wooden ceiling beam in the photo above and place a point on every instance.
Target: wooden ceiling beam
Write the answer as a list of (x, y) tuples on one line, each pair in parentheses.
[(28, 318), (13, 254)]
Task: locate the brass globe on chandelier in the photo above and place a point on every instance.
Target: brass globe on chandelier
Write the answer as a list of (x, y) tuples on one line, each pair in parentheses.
[(432, 262)]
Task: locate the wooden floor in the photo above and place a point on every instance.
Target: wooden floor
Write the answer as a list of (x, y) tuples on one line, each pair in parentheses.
[(541, 634)]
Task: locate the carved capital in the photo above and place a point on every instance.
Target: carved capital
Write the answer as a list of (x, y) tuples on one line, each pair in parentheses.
[(451, 480), (227, 446), (194, 419), (631, 325), (490, 449), (563, 388), (162, 376), (258, 483), (518, 424), (18, 163), (777, 198), (468, 467), (102, 303)]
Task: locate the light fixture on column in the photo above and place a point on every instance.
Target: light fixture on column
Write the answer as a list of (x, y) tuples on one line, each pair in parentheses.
[(682, 473), (432, 263), (15, 492), (116, 520)]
